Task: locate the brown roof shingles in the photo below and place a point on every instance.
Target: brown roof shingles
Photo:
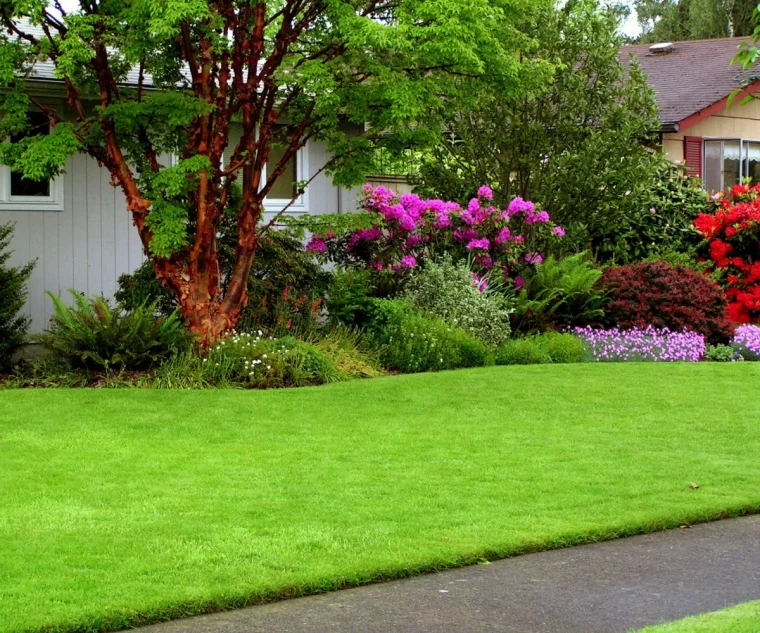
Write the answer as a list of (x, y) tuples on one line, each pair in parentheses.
[(693, 76)]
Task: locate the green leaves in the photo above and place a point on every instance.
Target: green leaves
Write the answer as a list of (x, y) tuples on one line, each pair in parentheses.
[(170, 191), (168, 222), (41, 156)]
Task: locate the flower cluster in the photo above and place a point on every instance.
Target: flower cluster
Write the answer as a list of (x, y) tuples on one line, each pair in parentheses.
[(405, 230), (747, 342), (642, 344), (733, 233), (248, 356)]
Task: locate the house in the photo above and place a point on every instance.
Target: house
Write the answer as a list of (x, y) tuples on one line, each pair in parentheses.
[(80, 233), (692, 82)]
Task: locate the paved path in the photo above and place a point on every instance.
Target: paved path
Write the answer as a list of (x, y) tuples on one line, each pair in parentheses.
[(601, 588)]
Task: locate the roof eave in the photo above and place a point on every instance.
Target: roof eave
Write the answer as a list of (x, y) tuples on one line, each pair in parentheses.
[(718, 106)]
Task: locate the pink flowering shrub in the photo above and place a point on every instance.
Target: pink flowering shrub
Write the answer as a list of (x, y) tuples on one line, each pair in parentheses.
[(403, 231)]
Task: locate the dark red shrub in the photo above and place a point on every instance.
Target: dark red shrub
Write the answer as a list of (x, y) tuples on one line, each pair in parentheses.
[(664, 296)]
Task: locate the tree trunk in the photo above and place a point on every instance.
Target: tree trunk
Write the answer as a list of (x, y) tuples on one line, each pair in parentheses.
[(208, 314)]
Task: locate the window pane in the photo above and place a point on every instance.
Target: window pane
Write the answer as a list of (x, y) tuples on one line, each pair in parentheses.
[(24, 186), (731, 164), (713, 180), (753, 162), (284, 187)]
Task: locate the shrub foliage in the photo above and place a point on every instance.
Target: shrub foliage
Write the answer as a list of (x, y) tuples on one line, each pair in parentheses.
[(456, 295), (732, 236), (411, 342), (90, 334), (663, 296), (285, 286), (560, 293), (13, 280), (550, 347)]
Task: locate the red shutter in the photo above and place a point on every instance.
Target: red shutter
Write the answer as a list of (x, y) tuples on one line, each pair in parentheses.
[(692, 154)]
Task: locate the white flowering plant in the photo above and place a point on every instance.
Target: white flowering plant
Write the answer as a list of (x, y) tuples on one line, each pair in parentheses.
[(462, 298), (260, 361)]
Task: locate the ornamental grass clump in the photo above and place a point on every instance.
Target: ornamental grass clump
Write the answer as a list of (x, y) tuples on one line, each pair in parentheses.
[(642, 344), (747, 342)]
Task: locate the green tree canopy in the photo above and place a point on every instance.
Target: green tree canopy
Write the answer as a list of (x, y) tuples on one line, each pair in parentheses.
[(575, 144), (673, 20), (145, 78)]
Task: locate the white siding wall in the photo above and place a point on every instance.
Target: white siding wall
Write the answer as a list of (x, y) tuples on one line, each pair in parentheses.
[(86, 246), (92, 241)]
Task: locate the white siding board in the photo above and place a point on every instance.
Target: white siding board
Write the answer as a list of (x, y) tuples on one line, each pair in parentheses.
[(37, 296), (78, 213), (108, 239), (94, 231), (122, 228), (66, 237), (50, 250), (136, 255)]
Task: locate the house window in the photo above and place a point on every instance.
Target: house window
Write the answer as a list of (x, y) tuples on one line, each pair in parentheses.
[(285, 186), (23, 194), (727, 162)]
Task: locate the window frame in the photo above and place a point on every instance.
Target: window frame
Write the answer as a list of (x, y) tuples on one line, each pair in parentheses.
[(275, 205), (743, 156), (8, 202), (301, 203)]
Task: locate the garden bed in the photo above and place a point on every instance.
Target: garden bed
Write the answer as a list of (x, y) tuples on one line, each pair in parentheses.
[(123, 507)]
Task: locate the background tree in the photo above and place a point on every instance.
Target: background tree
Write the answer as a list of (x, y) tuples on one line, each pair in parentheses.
[(575, 144), (673, 20), (282, 71), (13, 326)]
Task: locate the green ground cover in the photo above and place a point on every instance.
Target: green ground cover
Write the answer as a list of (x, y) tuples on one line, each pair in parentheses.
[(744, 618), (123, 507)]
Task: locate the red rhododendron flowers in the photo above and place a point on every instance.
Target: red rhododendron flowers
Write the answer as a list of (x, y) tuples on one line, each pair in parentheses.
[(733, 238)]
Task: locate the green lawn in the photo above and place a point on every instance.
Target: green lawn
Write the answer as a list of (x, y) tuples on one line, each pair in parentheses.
[(123, 507), (742, 619)]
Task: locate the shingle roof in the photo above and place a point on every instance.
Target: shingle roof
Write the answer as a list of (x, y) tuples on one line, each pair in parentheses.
[(693, 76)]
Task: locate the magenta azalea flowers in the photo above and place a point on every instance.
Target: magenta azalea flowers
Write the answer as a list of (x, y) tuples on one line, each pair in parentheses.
[(406, 229), (642, 344)]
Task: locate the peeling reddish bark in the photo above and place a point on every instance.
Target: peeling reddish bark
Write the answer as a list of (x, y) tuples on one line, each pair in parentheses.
[(235, 83)]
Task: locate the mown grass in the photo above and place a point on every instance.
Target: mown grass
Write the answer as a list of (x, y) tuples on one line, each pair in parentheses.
[(130, 506), (744, 618)]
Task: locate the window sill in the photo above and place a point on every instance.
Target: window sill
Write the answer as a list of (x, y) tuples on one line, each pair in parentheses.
[(31, 205)]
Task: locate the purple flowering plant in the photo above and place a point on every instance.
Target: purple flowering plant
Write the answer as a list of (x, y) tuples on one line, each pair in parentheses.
[(746, 342), (399, 232), (642, 344)]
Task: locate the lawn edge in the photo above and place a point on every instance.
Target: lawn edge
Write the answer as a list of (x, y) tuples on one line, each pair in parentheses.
[(110, 623)]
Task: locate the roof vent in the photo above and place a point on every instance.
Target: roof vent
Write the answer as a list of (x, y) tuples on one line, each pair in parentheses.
[(661, 49)]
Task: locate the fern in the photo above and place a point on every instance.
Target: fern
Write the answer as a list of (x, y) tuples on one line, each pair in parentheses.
[(91, 334), (559, 294)]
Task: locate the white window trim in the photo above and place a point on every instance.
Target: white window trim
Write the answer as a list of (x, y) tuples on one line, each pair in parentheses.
[(8, 202), (301, 204)]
